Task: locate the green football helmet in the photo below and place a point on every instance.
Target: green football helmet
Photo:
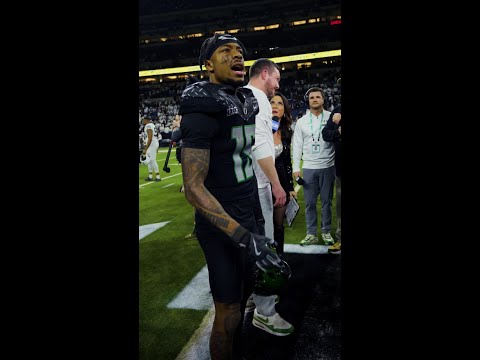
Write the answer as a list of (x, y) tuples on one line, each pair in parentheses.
[(272, 280)]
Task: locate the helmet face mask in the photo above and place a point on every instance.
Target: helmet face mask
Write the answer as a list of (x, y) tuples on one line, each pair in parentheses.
[(144, 159), (271, 281)]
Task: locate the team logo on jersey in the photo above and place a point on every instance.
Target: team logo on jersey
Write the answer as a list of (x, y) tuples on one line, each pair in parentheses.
[(232, 110)]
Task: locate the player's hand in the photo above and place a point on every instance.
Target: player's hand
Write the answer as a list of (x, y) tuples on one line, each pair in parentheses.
[(293, 194), (336, 118), (176, 122), (261, 248)]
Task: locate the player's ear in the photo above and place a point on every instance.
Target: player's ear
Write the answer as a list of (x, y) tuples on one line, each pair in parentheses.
[(209, 66)]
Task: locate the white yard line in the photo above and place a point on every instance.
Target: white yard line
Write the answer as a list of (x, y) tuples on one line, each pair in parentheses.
[(165, 178), (197, 347), (146, 230), (195, 295)]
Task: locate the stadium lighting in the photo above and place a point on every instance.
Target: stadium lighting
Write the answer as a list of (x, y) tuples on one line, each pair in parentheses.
[(277, 60), (301, 22)]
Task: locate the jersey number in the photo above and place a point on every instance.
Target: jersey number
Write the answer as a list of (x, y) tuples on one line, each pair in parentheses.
[(243, 136)]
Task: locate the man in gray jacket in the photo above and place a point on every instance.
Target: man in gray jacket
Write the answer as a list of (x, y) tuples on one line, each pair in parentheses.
[(318, 166)]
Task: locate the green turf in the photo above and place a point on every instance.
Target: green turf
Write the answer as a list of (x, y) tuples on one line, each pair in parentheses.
[(168, 262)]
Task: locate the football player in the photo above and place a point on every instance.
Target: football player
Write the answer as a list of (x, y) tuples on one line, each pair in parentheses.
[(151, 148), (218, 130)]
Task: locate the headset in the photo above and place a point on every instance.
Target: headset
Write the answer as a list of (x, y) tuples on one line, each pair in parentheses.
[(305, 97)]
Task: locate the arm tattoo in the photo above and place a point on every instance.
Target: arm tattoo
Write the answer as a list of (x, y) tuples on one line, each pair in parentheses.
[(195, 163)]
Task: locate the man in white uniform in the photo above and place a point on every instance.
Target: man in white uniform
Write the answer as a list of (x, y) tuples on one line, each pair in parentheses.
[(151, 148)]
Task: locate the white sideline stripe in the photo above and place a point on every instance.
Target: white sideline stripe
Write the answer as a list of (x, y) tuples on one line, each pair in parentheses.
[(195, 295), (165, 178), (168, 185), (145, 230), (197, 347), (309, 249)]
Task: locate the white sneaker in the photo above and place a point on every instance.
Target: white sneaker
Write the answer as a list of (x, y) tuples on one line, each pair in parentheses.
[(327, 239), (309, 240), (274, 324), (250, 305)]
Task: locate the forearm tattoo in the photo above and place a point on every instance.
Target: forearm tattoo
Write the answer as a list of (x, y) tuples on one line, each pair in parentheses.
[(195, 163)]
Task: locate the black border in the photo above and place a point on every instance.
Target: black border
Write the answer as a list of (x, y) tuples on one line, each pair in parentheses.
[(402, 185), (81, 226)]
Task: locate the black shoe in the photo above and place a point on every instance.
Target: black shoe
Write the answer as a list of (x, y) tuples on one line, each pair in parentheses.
[(158, 180), (148, 179)]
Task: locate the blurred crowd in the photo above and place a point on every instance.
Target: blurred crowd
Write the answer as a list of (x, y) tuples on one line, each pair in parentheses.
[(160, 101)]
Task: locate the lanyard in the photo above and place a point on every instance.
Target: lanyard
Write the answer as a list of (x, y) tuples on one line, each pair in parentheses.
[(311, 127)]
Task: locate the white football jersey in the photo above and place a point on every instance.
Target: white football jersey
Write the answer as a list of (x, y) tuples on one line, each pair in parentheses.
[(150, 126)]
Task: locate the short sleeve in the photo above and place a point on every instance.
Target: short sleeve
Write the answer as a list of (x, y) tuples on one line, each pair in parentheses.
[(198, 129)]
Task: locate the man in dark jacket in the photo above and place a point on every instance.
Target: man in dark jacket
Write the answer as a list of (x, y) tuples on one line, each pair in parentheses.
[(332, 132)]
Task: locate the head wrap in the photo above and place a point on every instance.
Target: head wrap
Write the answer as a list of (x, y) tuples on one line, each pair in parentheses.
[(213, 43)]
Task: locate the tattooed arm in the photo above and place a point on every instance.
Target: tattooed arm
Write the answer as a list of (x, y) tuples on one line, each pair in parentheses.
[(195, 164)]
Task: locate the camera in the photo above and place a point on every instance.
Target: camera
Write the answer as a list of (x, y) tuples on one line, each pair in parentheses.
[(299, 180)]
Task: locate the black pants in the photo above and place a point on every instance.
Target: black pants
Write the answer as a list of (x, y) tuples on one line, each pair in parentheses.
[(230, 268)]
